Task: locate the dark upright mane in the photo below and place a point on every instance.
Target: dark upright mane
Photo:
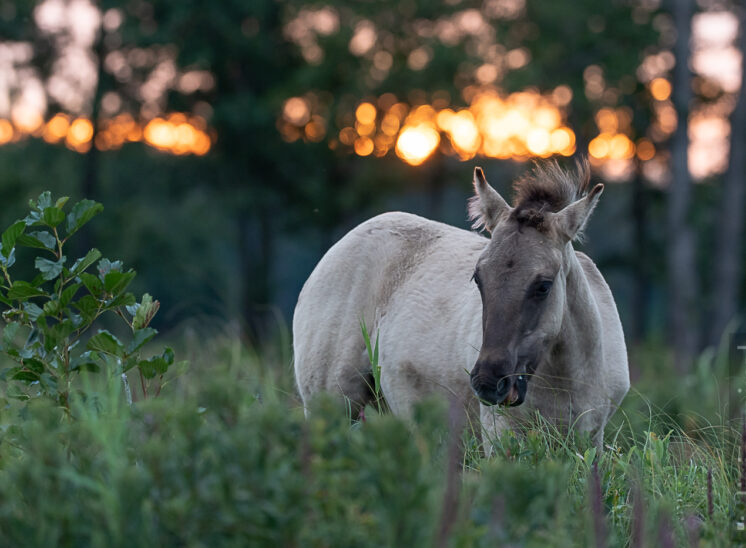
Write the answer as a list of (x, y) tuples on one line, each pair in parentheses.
[(548, 187)]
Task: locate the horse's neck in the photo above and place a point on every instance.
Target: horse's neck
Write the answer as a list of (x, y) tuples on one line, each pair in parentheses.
[(574, 382), (579, 344)]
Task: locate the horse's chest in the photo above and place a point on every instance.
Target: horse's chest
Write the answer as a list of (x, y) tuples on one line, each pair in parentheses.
[(568, 405)]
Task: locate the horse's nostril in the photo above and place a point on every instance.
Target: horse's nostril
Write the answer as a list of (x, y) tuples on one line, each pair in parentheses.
[(503, 385)]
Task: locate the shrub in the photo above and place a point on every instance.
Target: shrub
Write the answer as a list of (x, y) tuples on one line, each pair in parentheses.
[(224, 458), (53, 312)]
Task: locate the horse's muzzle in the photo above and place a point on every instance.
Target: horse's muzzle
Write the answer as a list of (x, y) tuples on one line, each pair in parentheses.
[(509, 391)]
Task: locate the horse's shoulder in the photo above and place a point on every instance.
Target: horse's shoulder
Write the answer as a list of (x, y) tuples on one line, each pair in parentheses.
[(615, 348)]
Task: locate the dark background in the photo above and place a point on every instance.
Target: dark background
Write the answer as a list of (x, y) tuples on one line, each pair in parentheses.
[(227, 238)]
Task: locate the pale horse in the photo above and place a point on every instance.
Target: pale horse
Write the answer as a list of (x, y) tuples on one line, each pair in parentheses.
[(519, 318)]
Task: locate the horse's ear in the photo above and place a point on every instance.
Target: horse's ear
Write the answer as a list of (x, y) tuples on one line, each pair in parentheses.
[(486, 206), (571, 220)]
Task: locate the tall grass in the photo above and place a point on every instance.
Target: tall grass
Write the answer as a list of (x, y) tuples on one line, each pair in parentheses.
[(225, 456)]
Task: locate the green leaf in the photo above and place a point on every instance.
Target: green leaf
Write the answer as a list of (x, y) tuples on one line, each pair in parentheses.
[(10, 260), (48, 383), (125, 299), (34, 365), (141, 337), (76, 319), (34, 339), (39, 240), (9, 333), (61, 201), (129, 363), (33, 311), (87, 360), (107, 343), (10, 236), (33, 218), (84, 262), (92, 283), (15, 393), (157, 365), (57, 334), (26, 376), (105, 266), (52, 308), (52, 216), (589, 456), (145, 311), (43, 202), (88, 306), (68, 294), (49, 269), (23, 290), (81, 213), (115, 282)]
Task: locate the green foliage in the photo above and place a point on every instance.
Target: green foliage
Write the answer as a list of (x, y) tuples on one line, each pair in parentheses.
[(47, 318), (375, 368), (226, 457)]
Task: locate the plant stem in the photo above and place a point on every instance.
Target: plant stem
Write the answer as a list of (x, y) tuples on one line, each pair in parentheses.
[(59, 243), (118, 312), (7, 276), (142, 383)]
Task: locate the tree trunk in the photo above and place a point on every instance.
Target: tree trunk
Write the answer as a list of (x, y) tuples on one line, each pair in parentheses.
[(682, 278), (89, 181), (256, 247), (90, 171), (641, 291), (729, 229), (435, 187)]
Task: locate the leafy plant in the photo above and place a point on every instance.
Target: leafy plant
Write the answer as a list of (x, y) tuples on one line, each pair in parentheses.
[(225, 456), (372, 352), (53, 312)]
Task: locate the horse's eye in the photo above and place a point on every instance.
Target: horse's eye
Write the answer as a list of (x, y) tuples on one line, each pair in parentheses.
[(475, 278), (542, 289)]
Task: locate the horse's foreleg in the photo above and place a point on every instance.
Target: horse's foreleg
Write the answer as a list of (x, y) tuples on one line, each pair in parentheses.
[(494, 425)]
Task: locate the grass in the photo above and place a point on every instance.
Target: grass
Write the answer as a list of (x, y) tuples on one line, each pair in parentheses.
[(224, 456)]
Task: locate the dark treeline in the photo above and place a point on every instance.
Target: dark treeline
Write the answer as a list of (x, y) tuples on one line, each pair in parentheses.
[(233, 234)]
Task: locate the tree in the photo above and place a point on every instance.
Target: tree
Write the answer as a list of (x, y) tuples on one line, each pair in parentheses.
[(729, 224), (682, 276)]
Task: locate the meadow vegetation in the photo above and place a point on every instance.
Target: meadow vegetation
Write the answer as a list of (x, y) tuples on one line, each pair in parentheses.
[(224, 455), (220, 453)]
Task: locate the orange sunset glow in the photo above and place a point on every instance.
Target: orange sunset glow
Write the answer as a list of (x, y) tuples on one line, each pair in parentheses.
[(485, 121), (518, 126), (175, 133), (526, 124)]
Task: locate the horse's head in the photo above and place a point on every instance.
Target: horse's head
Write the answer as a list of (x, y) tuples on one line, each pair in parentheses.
[(522, 273)]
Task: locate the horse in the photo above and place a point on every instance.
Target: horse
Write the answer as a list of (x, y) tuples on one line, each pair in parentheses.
[(507, 325)]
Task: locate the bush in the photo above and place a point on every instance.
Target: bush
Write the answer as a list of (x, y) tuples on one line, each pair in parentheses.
[(225, 456), (53, 312)]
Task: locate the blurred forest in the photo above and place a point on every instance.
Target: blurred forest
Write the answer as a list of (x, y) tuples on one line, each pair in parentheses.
[(233, 142)]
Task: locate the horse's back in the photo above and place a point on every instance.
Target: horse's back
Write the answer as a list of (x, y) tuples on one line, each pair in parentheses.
[(356, 280)]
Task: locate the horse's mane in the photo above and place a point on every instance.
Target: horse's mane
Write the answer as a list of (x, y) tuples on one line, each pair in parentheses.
[(548, 187)]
